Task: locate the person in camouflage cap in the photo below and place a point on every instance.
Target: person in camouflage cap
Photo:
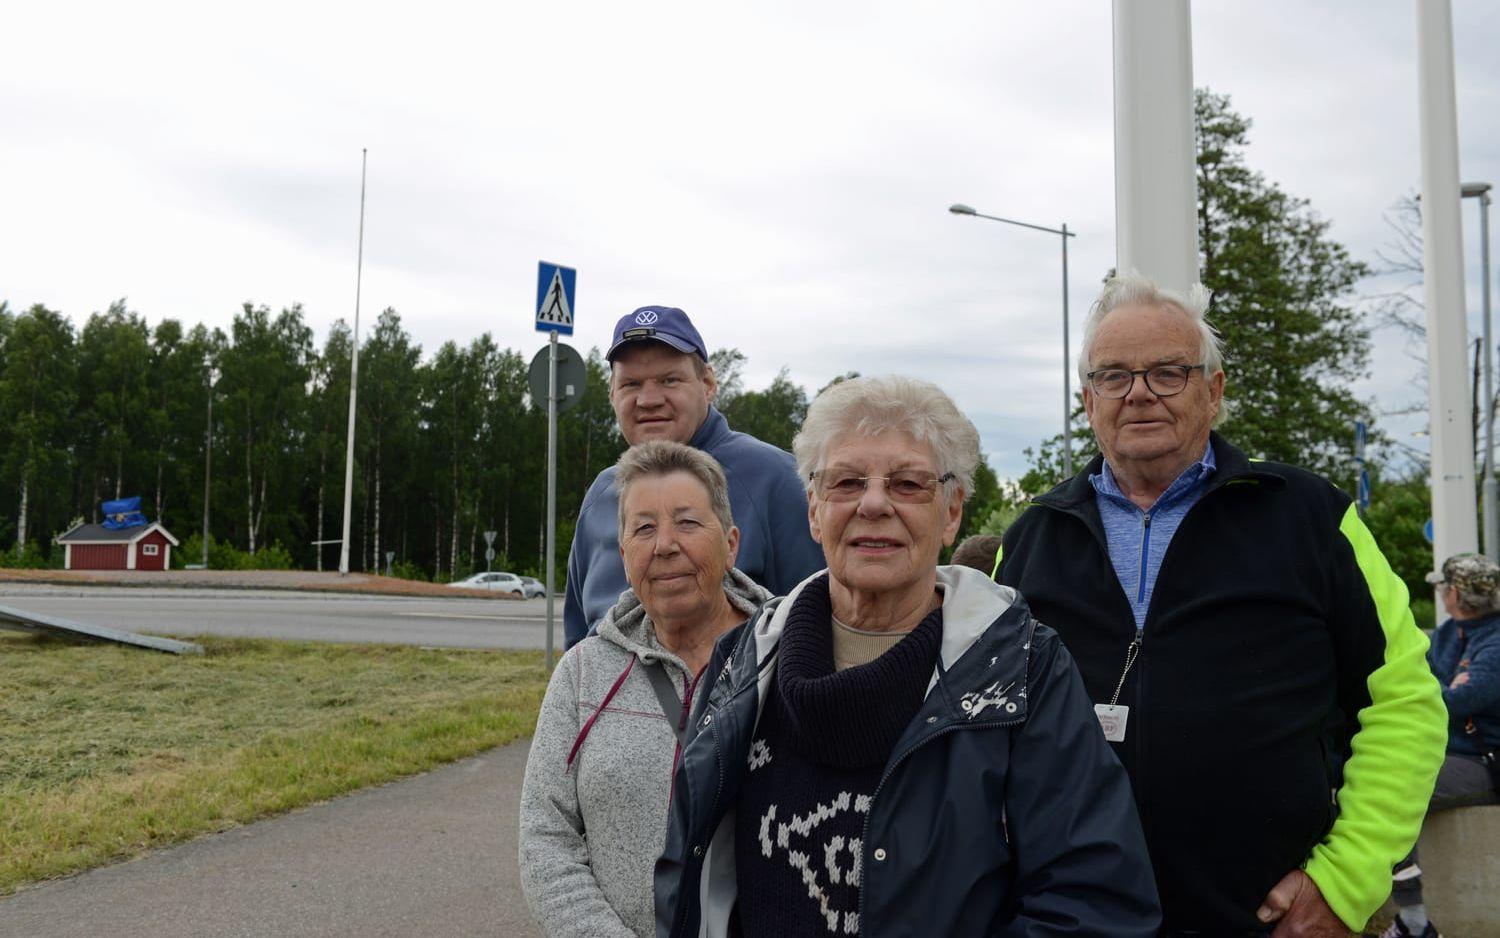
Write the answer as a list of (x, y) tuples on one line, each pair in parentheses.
[(1465, 656), (1475, 577)]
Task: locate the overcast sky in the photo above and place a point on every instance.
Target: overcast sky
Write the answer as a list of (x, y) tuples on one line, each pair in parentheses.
[(781, 171)]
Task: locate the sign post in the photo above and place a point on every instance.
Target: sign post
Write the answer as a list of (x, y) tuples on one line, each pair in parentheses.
[(1362, 479), (489, 550), (556, 292)]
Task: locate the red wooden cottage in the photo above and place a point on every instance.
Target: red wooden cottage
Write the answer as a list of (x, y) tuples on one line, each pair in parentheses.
[(95, 547)]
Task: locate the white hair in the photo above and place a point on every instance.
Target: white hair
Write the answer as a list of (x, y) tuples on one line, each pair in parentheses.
[(1133, 289), (880, 404)]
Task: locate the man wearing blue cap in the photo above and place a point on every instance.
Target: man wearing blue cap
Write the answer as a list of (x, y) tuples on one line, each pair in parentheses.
[(662, 388)]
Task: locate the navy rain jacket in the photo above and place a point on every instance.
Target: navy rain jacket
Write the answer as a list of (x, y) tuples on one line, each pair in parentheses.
[(1001, 812), (1472, 646)]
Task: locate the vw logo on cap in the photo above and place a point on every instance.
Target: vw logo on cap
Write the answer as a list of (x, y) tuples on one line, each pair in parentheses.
[(646, 317)]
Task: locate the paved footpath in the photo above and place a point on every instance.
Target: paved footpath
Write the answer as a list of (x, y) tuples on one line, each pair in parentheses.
[(433, 855)]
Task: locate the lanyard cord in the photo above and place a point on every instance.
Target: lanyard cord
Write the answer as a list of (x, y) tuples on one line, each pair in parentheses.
[(1131, 653), (583, 733)]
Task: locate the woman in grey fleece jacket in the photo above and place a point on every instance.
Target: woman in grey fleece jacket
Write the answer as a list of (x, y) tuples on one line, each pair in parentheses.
[(598, 780)]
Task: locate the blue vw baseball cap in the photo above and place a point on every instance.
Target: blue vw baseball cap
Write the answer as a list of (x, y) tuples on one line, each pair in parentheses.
[(665, 324)]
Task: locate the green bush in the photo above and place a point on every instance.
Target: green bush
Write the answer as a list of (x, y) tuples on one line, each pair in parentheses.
[(463, 571), (191, 552), (222, 556), (274, 557), (407, 570), (26, 556)]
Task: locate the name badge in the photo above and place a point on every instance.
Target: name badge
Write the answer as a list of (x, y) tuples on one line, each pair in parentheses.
[(1112, 721)]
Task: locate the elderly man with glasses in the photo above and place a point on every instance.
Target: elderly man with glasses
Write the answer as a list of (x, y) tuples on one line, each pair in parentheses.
[(1249, 652)]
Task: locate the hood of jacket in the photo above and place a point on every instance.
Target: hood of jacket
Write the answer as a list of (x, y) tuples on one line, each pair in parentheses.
[(627, 625), (972, 602)]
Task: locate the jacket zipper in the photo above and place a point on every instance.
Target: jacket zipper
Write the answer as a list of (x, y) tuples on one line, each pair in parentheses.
[(702, 860), (1140, 636), (728, 701), (889, 771), (1137, 731), (1140, 591)]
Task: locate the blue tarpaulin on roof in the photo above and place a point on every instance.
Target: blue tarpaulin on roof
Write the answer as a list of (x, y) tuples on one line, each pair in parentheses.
[(123, 513)]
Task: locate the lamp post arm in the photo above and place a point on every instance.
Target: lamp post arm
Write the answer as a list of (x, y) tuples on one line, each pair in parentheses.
[(1010, 221)]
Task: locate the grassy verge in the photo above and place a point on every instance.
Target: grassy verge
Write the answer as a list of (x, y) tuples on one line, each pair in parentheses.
[(107, 752)]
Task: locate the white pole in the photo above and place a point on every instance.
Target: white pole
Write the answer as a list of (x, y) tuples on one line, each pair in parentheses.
[(551, 485), (1156, 192), (353, 372), (208, 461), (1491, 519), (1454, 526), (1067, 363)]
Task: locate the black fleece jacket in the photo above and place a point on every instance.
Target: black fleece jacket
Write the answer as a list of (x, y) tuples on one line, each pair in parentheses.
[(1252, 669)]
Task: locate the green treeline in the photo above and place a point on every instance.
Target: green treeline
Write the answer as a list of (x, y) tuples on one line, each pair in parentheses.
[(445, 448)]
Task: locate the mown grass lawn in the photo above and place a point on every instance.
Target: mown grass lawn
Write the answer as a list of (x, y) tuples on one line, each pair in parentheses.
[(106, 752)]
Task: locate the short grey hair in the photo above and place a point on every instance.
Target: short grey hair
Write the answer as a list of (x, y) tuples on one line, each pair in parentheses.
[(1133, 289), (664, 457), (1478, 602), (880, 404)]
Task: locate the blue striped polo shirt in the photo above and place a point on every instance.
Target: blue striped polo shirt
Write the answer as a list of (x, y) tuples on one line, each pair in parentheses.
[(1138, 539)]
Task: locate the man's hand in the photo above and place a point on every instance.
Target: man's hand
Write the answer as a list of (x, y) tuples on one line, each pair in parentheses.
[(1297, 905), (1460, 679)]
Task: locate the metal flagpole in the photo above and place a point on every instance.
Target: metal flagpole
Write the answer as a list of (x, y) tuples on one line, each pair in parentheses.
[(208, 458), (1067, 378), (1491, 519), (551, 485), (353, 372)]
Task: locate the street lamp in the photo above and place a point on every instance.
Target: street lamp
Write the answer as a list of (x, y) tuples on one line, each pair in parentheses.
[(1481, 191), (961, 209)]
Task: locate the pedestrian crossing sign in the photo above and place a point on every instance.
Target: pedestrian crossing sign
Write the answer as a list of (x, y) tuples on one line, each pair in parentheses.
[(555, 287)]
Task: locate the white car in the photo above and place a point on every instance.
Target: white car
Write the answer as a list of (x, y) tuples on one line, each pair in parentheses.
[(500, 582), (534, 588)]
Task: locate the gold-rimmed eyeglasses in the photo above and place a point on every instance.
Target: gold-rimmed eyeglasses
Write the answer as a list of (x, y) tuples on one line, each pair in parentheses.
[(912, 486)]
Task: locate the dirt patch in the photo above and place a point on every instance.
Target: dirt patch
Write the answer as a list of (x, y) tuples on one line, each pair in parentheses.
[(304, 580)]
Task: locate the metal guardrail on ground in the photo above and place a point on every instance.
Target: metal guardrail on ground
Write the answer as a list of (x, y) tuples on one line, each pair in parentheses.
[(22, 621)]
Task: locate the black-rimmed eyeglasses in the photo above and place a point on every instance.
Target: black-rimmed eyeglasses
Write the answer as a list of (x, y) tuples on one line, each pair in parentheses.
[(1161, 380), (913, 486)]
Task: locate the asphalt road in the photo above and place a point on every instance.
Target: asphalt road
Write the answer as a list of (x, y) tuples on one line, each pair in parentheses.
[(434, 855), (454, 623)]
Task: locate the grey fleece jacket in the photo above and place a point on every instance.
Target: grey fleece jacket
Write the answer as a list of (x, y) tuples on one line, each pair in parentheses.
[(590, 833)]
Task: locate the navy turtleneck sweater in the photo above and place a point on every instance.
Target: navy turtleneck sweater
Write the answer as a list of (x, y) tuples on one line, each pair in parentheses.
[(823, 739)]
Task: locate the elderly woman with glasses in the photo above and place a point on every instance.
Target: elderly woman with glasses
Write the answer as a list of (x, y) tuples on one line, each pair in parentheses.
[(897, 747), (594, 799)]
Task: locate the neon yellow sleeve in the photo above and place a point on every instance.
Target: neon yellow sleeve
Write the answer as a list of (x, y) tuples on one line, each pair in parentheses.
[(1395, 754)]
